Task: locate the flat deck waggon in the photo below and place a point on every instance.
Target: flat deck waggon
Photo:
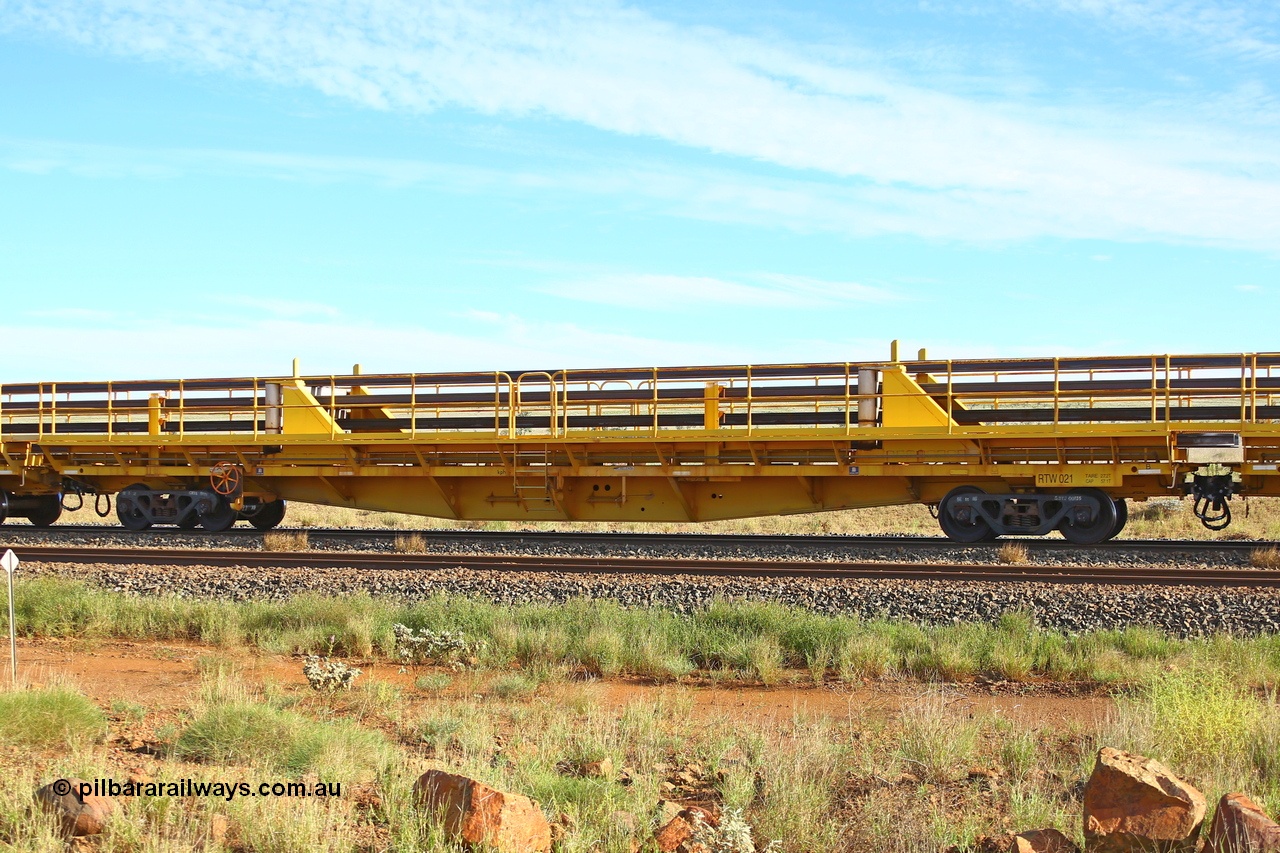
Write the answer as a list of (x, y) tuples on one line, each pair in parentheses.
[(995, 447)]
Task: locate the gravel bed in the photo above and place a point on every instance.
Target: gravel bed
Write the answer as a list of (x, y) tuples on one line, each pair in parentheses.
[(1182, 611), (816, 551)]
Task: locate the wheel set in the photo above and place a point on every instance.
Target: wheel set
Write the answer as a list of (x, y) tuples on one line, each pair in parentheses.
[(40, 510), (1086, 516)]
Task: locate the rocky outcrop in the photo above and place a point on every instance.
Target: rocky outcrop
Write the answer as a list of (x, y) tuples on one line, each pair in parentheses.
[(480, 816), (1132, 803), (1240, 826)]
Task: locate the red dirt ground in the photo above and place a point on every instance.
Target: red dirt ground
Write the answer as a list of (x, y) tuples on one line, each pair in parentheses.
[(164, 677)]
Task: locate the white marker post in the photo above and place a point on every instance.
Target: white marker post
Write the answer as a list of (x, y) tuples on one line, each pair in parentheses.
[(10, 562)]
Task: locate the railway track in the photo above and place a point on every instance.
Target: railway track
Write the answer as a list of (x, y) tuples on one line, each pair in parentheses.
[(1059, 574), (318, 536)]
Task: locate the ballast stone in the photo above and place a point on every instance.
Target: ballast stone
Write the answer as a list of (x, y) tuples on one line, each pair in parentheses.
[(483, 817), (1133, 803), (77, 815), (1240, 826)]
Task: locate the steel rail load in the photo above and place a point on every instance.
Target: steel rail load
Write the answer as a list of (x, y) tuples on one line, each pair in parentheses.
[(994, 446)]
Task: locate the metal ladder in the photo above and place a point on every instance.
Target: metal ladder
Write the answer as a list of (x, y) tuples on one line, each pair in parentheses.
[(531, 477)]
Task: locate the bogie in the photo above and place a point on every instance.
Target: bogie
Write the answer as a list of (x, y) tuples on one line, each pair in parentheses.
[(1083, 516), (138, 507)]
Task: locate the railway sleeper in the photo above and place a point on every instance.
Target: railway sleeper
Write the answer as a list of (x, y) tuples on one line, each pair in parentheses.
[(1083, 516)]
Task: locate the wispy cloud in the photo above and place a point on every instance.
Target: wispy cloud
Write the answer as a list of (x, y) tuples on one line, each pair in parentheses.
[(1248, 30), (867, 151), (661, 292), (45, 156)]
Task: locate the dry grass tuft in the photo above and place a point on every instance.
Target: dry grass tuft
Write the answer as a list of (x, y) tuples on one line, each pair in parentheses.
[(1012, 554), (281, 540), (1265, 558), (411, 543)]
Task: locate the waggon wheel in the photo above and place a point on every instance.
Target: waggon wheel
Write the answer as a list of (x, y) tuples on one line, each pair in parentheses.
[(974, 529), (218, 516), (268, 515), (133, 507), (1096, 530), (50, 510)]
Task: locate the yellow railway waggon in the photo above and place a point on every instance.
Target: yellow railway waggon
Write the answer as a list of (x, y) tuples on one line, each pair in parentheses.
[(994, 446)]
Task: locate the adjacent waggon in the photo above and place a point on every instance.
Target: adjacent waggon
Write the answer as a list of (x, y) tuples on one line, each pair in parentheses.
[(993, 446)]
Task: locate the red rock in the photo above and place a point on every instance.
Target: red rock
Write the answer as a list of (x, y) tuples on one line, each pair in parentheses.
[(478, 815), (1241, 827), (1133, 803), (1042, 841), (677, 837), (675, 832), (78, 815)]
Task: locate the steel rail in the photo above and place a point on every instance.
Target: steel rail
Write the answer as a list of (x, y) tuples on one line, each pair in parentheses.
[(1141, 575), (641, 540)]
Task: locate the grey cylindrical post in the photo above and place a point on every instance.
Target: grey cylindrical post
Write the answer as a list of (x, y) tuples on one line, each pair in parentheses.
[(867, 403), (275, 411)]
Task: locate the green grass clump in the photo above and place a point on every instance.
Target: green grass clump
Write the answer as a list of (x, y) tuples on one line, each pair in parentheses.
[(1198, 717), (244, 732), (54, 716), (513, 686), (760, 641)]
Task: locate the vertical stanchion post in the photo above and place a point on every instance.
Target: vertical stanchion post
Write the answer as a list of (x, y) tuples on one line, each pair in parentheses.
[(10, 563), (868, 379)]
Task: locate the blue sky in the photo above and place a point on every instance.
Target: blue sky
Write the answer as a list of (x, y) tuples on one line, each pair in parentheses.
[(213, 188)]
